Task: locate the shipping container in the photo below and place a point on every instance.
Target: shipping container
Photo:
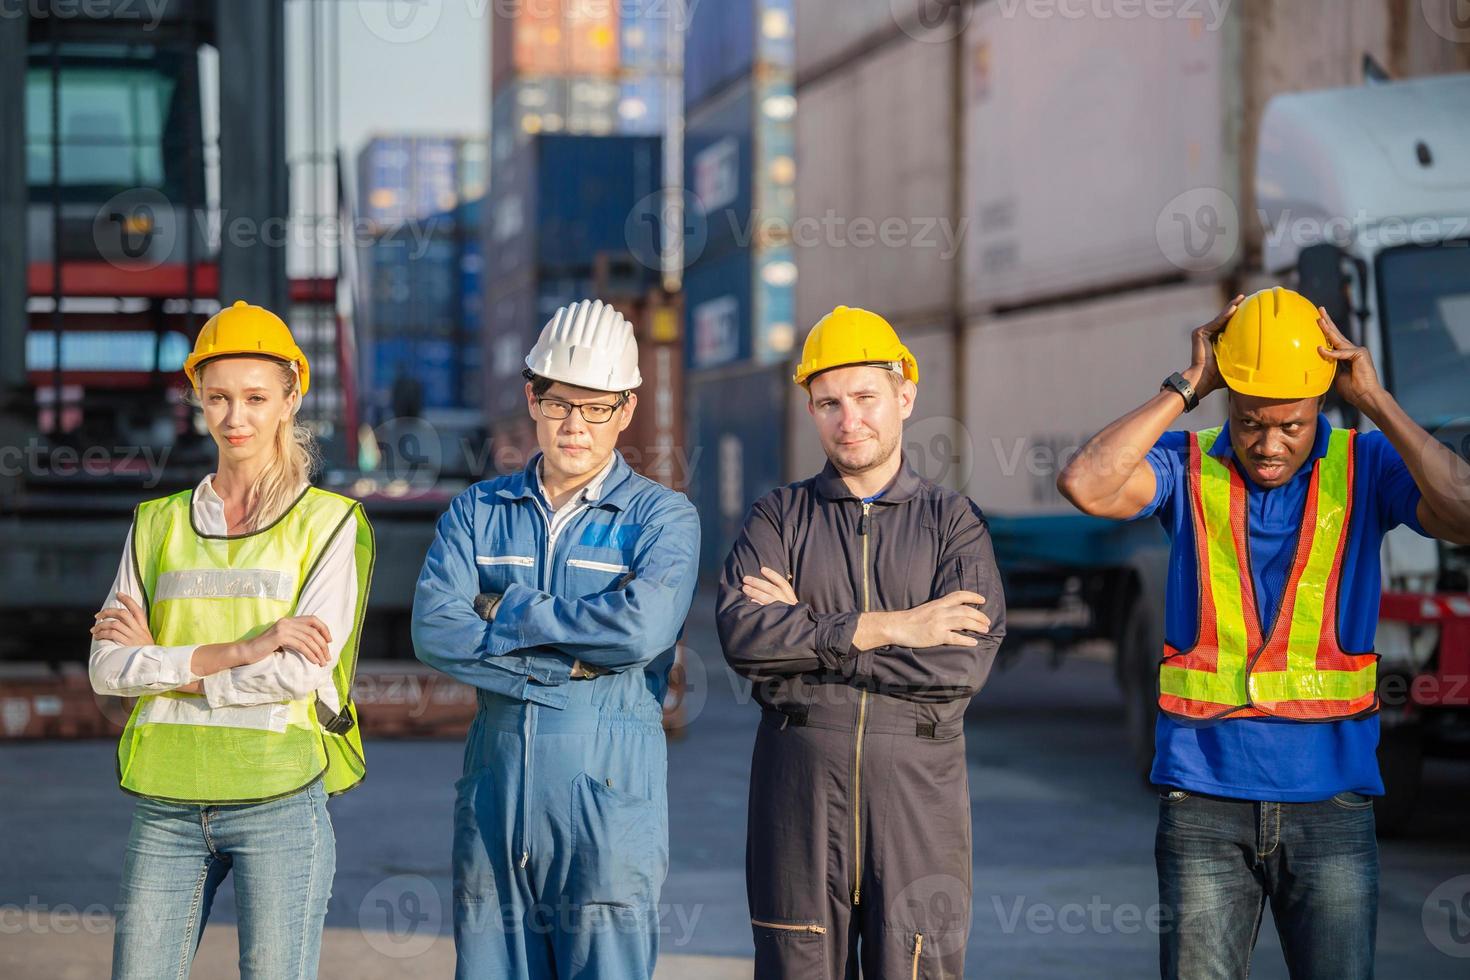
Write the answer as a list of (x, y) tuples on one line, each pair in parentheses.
[(725, 42), (718, 296), (719, 147), (431, 363), (875, 196), (642, 104), (562, 201), (832, 32), (527, 38), (1162, 112), (592, 36), (1039, 384), (592, 106), (577, 105), (643, 34), (511, 317), (719, 47), (736, 450), (406, 178), (474, 169)]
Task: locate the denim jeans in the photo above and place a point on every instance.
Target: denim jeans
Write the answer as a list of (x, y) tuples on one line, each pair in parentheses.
[(283, 854), (1220, 861)]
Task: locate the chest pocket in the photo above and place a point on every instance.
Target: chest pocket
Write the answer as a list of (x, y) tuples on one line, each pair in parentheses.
[(591, 572), (499, 572)]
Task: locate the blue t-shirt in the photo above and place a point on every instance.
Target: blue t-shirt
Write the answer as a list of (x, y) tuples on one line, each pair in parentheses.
[(1267, 758)]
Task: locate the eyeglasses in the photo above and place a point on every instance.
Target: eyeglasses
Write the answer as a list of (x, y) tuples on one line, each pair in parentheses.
[(595, 413)]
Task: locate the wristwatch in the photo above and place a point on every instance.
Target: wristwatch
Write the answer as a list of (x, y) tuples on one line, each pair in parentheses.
[(1180, 385)]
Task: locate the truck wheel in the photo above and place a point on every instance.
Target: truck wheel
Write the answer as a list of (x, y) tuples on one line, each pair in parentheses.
[(1138, 651), (1401, 761)]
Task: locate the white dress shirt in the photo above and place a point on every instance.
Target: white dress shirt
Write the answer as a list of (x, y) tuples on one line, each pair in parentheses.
[(329, 594)]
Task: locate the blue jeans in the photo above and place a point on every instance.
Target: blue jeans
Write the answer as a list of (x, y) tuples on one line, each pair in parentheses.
[(283, 854), (1220, 861)]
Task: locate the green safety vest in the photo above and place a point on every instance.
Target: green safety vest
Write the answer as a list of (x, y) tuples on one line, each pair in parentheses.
[(201, 588)]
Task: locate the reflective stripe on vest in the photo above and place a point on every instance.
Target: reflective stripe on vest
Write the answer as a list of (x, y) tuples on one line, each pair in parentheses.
[(1299, 671), (202, 589)]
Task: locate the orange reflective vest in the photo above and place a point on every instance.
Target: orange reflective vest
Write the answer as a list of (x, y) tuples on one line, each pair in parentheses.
[(1296, 669)]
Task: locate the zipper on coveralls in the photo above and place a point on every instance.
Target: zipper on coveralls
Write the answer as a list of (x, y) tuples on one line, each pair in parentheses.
[(857, 755), (528, 730)]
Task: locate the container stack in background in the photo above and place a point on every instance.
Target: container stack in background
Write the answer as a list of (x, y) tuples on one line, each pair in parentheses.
[(419, 330), (579, 105), (877, 200), (740, 282)]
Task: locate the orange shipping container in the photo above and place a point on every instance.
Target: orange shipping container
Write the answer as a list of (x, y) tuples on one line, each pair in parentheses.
[(592, 37)]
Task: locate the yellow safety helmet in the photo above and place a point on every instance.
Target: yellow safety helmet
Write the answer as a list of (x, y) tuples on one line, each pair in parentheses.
[(1269, 347), (246, 329), (850, 336)]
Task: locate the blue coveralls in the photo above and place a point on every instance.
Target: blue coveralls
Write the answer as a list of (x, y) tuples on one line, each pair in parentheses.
[(561, 816)]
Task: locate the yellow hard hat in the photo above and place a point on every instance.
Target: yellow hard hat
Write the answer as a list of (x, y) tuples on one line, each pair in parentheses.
[(849, 336), (1269, 347), (246, 329)]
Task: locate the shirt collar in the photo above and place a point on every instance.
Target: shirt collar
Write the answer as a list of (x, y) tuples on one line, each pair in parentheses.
[(606, 488), (591, 492), (905, 484)]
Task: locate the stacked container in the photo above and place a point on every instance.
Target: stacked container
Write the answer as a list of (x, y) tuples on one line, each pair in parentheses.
[(557, 231), (740, 281), (415, 322)]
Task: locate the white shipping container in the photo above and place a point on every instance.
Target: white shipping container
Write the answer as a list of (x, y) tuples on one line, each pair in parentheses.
[(1039, 384), (931, 438), (1108, 151), (875, 223), (829, 32), (1079, 135)]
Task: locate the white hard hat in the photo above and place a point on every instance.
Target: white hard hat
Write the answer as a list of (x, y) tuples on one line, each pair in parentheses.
[(589, 345)]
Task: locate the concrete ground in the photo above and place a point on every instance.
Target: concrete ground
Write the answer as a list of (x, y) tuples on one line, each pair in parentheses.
[(1063, 865)]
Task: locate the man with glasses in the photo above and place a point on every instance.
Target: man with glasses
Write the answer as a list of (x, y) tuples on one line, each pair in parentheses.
[(551, 591)]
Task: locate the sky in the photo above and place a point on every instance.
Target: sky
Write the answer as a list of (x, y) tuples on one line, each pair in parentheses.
[(406, 66)]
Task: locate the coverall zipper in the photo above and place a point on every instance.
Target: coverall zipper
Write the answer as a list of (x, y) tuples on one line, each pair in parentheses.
[(788, 927), (857, 755), (528, 730), (918, 948)]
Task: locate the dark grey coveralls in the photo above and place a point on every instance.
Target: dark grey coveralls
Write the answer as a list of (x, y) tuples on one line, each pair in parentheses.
[(859, 822)]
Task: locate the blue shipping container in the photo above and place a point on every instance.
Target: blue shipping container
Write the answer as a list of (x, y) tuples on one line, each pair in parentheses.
[(717, 303), (736, 451), (643, 34), (562, 200), (432, 363), (719, 46), (405, 178), (720, 171)]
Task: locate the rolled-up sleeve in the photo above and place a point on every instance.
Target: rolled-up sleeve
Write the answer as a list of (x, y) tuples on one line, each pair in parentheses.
[(775, 639), (125, 671)]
